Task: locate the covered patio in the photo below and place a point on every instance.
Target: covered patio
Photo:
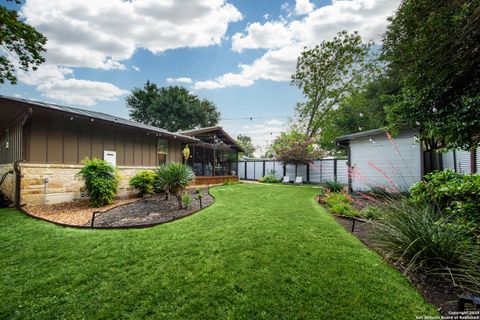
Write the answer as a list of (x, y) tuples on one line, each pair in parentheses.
[(214, 160)]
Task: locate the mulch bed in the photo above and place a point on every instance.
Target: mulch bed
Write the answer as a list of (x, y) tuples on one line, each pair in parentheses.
[(436, 290), (151, 211)]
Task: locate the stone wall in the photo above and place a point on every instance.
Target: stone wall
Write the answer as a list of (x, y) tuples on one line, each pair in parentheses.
[(62, 185), (8, 186)]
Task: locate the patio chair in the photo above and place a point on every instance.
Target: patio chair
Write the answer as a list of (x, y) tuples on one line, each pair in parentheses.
[(298, 180), (286, 179)]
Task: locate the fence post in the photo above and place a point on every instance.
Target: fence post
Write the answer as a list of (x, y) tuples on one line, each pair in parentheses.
[(335, 170), (246, 170), (263, 175), (321, 171), (284, 169), (296, 169), (308, 172)]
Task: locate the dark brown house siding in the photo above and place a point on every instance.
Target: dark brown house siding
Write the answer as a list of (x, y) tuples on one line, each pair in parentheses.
[(11, 143), (55, 138)]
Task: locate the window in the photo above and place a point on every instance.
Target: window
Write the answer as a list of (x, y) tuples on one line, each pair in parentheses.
[(162, 147)]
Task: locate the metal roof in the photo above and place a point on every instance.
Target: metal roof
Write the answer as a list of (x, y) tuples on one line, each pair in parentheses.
[(360, 135), (104, 117), (194, 132)]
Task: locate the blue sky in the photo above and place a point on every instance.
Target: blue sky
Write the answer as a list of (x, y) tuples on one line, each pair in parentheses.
[(238, 54)]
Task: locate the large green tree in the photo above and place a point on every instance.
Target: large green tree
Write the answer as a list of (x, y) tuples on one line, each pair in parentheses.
[(21, 45), (328, 73), (362, 109), (434, 47), (246, 143), (172, 108)]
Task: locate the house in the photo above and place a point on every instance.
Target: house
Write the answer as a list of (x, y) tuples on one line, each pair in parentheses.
[(44, 144), (376, 159)]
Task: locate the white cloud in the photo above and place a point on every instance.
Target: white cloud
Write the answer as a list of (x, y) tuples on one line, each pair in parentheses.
[(273, 122), (285, 40), (83, 92), (53, 83), (268, 35), (179, 80), (303, 7), (101, 34)]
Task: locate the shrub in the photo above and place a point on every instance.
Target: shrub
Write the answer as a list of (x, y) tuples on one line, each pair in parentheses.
[(371, 212), (173, 178), (333, 186), (269, 178), (143, 181), (451, 192), (421, 236), (186, 200), (101, 181), (339, 203)]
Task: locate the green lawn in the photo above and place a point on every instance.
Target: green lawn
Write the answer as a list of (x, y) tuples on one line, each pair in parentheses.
[(259, 252)]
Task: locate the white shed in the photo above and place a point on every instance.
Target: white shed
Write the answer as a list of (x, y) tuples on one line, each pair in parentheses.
[(378, 160)]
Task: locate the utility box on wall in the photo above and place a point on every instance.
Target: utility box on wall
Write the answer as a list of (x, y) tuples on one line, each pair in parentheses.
[(110, 157)]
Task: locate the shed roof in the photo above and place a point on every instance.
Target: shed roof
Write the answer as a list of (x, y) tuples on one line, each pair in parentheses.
[(361, 134), (223, 135), (102, 116)]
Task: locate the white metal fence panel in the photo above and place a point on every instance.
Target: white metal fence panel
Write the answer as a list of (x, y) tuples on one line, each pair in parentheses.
[(290, 171), (250, 170), (302, 172), (241, 170), (342, 171), (278, 170), (315, 171), (258, 170), (328, 173)]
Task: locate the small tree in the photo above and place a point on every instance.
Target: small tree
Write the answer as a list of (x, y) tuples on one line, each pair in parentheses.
[(174, 178), (294, 147), (246, 143), (101, 181)]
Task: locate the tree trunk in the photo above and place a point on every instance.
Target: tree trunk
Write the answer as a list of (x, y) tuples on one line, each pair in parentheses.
[(178, 195)]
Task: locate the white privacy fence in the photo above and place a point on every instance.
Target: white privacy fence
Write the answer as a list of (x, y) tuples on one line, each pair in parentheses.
[(318, 171)]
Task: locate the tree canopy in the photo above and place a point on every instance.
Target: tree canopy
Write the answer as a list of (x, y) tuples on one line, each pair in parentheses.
[(172, 108), (361, 110), (433, 46), (327, 73), (21, 43), (246, 143), (295, 147)]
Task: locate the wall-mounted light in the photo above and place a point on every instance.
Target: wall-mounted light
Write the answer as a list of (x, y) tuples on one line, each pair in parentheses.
[(92, 120), (7, 144), (71, 118)]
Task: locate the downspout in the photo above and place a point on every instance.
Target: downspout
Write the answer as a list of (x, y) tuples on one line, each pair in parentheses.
[(16, 166)]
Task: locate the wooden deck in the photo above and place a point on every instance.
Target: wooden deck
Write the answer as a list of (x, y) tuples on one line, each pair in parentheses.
[(212, 180)]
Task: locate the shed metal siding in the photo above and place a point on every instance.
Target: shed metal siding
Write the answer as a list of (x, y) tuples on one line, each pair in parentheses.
[(463, 162), (382, 162), (478, 159)]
